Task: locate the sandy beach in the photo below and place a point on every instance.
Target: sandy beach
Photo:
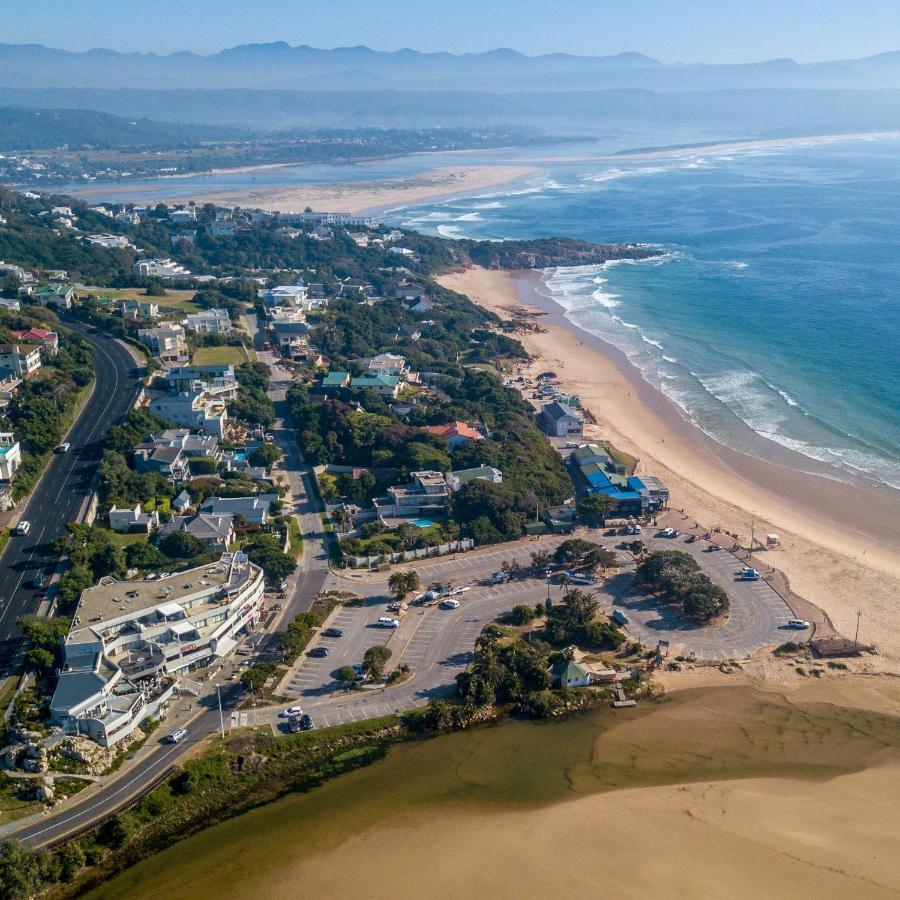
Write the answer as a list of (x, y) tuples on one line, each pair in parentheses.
[(841, 570), (350, 196)]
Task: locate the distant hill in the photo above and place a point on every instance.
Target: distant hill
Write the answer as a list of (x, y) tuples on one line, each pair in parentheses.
[(81, 129), (281, 66)]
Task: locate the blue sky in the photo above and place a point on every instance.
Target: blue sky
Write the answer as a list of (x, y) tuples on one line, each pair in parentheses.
[(670, 30)]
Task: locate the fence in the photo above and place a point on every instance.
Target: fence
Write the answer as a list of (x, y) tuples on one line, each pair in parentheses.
[(360, 562)]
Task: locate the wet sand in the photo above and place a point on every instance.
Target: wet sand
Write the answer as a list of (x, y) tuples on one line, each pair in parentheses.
[(839, 544), (730, 789), (352, 196)]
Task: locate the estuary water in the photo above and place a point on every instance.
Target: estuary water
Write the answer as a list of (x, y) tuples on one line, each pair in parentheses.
[(776, 307)]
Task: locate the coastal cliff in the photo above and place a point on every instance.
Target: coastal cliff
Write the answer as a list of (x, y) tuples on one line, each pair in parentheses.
[(545, 252)]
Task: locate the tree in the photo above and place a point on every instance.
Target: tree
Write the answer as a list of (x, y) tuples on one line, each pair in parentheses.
[(181, 545), (265, 551), (43, 661), (540, 560), (71, 860), (265, 455), (521, 614), (143, 555), (438, 715), (155, 288), (403, 583), (347, 674), (595, 508), (375, 659)]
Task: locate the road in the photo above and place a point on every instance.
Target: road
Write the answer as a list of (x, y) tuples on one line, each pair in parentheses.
[(66, 483)]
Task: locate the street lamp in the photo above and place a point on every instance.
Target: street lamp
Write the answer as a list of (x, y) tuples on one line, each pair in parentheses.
[(221, 717), (549, 576)]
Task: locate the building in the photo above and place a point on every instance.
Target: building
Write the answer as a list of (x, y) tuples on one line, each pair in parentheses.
[(210, 321), (656, 490), (571, 673), (170, 462), (560, 519), (165, 269), (139, 309), (254, 509), (167, 342), (130, 640), (336, 380), (48, 339), (216, 532), (126, 521), (20, 360), (291, 338), (59, 295), (327, 218), (383, 385), (456, 480), (193, 410), (110, 241), (191, 445), (388, 364), (183, 216), (454, 433), (628, 493), (426, 495), (10, 455), (559, 420), (182, 502), (10, 304), (285, 295), (216, 379), (593, 453)]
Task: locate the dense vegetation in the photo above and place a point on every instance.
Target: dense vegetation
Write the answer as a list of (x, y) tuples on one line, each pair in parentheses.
[(676, 576)]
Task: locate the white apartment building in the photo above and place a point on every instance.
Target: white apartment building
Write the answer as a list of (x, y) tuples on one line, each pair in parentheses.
[(130, 640), (10, 455), (197, 409), (159, 268)]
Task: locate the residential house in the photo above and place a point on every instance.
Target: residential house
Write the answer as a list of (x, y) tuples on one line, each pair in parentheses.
[(10, 304), (578, 673), (163, 268), (210, 321), (405, 333), (628, 494), (191, 445), (291, 338), (421, 307), (454, 433), (182, 502), (131, 640), (426, 495), (139, 309), (193, 410), (593, 453), (126, 521), (20, 359), (183, 216), (109, 241), (59, 295), (216, 531), (284, 295), (336, 380), (9, 387), (459, 478), (49, 340), (167, 342), (387, 364), (254, 509), (10, 455), (216, 379), (170, 462), (17, 273), (560, 519), (559, 420), (383, 385)]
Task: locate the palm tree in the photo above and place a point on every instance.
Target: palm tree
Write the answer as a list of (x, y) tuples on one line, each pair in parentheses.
[(564, 582), (403, 583)]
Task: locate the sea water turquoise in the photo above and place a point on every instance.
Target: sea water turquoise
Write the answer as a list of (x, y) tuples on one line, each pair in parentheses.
[(776, 304)]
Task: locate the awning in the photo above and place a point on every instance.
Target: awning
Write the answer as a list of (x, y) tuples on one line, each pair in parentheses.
[(182, 628), (170, 610)]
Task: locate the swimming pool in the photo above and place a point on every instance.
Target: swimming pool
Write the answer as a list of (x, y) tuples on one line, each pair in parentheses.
[(422, 523)]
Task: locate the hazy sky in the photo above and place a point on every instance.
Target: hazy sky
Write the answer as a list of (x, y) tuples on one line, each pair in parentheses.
[(670, 30)]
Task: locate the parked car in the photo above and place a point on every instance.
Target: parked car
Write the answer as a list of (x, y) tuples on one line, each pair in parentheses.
[(619, 617), (748, 573), (449, 603), (176, 736), (798, 623), (318, 652), (712, 548), (333, 632), (306, 723), (668, 533), (387, 622), (294, 724), (291, 711), (499, 578)]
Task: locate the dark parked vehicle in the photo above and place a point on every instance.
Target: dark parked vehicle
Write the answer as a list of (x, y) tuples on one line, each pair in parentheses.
[(333, 632), (295, 724), (318, 651), (306, 723)]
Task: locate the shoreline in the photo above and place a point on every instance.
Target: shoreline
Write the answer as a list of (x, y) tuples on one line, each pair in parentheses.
[(355, 197), (836, 568)]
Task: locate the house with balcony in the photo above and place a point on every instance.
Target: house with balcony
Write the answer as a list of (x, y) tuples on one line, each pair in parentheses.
[(167, 342), (216, 531), (60, 296), (254, 511), (130, 642), (210, 321), (455, 433), (20, 360), (384, 385), (196, 409), (10, 455), (218, 380), (426, 495), (560, 420), (461, 477), (387, 364), (170, 462), (164, 269)]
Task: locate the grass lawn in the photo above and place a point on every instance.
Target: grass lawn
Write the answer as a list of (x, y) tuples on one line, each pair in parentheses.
[(295, 537), (207, 356), (123, 540)]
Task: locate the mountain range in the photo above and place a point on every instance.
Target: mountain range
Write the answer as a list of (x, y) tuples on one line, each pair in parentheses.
[(285, 67)]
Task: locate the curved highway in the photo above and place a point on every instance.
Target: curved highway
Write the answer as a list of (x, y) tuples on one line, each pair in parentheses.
[(66, 483)]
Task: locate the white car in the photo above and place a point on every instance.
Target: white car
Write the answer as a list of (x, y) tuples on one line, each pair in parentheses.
[(291, 711), (23, 527), (63, 447), (798, 624), (176, 736), (460, 590), (388, 622), (450, 603), (668, 532)]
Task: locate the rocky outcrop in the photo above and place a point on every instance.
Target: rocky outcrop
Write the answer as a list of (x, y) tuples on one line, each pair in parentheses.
[(549, 252)]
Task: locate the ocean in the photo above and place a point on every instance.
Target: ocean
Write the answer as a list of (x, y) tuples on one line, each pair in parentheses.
[(772, 319)]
